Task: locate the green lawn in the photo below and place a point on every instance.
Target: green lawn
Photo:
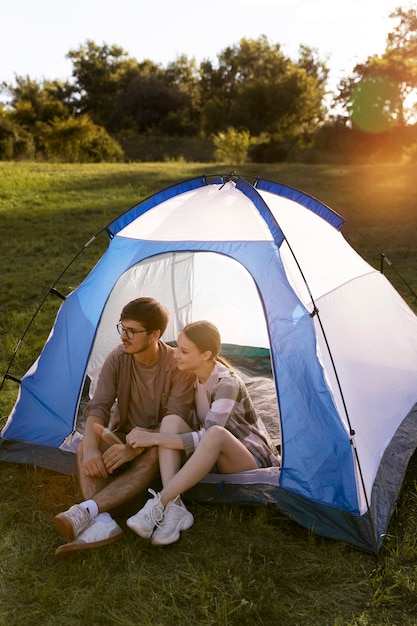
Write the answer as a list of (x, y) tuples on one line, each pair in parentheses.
[(238, 565)]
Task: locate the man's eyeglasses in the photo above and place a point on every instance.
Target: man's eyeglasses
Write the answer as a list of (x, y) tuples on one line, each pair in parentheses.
[(129, 332)]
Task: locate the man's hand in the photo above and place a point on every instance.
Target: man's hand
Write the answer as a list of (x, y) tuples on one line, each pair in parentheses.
[(116, 455), (93, 464)]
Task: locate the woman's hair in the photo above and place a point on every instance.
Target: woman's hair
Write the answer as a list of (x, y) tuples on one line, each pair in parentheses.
[(148, 312), (206, 337)]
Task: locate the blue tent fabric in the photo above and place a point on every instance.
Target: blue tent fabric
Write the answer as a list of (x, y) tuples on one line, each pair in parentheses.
[(304, 199)]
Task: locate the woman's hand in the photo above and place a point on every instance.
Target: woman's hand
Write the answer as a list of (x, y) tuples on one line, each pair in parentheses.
[(141, 438)]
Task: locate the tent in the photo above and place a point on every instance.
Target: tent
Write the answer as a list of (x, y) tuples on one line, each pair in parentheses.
[(268, 265)]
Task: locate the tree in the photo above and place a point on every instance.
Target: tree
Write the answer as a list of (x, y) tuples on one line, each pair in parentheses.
[(382, 91), (100, 73), (256, 88), (33, 105), (183, 74), (401, 58), (148, 104), (15, 141), (33, 102)]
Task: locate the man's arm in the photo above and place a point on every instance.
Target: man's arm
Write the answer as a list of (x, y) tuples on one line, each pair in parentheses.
[(105, 392), (98, 463), (92, 461), (181, 394)]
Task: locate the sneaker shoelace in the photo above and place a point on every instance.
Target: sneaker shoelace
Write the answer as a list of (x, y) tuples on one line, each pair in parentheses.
[(156, 515), (79, 516)]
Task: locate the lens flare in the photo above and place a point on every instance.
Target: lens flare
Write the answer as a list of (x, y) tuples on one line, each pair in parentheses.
[(374, 104)]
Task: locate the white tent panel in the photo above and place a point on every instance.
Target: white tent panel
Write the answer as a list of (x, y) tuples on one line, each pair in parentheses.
[(228, 216), (325, 257), (378, 377), (225, 293)]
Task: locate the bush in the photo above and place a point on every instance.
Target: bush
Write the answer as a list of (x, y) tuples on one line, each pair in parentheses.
[(79, 140), (15, 142), (232, 145)]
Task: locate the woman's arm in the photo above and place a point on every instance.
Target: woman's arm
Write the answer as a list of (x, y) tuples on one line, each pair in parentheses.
[(142, 438), (224, 403)]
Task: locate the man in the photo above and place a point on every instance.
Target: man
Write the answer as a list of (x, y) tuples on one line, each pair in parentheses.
[(141, 380)]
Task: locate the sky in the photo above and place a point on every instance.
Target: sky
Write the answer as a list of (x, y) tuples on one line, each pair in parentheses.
[(35, 37)]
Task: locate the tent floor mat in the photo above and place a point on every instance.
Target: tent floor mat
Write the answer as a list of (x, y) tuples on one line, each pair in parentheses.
[(39, 455)]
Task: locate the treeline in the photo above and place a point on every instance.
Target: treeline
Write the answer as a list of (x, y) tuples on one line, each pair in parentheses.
[(253, 103)]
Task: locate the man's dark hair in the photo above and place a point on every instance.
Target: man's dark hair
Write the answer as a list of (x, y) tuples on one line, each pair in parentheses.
[(149, 312)]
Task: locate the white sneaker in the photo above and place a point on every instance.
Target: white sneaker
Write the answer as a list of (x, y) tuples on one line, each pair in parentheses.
[(176, 518), (72, 522), (149, 516), (96, 535)]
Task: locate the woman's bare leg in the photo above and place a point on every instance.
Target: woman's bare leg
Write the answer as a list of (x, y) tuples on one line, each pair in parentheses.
[(170, 460), (217, 446)]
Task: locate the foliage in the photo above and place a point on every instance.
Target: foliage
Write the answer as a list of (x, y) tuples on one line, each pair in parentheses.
[(15, 142), (119, 93), (78, 140), (99, 73), (238, 565), (183, 74), (256, 88), (252, 86), (34, 102), (232, 145), (401, 57), (150, 148), (148, 104), (368, 104), (384, 87)]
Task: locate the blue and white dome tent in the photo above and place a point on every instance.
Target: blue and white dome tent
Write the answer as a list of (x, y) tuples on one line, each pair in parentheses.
[(269, 266)]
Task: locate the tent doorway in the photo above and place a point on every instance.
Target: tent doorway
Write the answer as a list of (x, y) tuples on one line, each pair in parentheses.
[(198, 285)]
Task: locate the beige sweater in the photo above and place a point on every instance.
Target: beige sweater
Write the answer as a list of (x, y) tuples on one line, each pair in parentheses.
[(173, 389)]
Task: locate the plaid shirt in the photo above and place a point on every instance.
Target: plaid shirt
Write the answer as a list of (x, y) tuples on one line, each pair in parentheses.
[(232, 408)]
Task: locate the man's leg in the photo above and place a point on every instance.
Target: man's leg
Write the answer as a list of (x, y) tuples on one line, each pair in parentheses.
[(105, 495), (112, 492)]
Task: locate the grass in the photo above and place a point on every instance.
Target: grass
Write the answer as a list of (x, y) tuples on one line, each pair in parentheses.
[(238, 565)]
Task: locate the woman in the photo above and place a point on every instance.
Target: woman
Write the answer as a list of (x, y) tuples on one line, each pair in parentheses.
[(229, 436)]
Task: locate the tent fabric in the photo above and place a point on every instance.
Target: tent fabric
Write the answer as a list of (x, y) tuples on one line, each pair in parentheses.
[(270, 267)]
